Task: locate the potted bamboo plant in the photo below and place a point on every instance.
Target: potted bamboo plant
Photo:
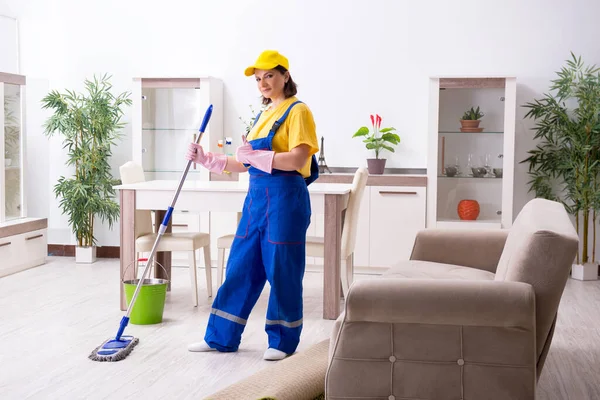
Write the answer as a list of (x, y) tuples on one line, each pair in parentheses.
[(378, 139), (90, 124), (565, 165)]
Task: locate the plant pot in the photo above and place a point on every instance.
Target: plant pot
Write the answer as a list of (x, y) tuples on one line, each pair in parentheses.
[(7, 162), (85, 255), (585, 272), (469, 123), (376, 166), (468, 210)]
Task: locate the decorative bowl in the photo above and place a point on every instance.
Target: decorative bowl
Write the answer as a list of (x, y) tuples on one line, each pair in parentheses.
[(451, 170), (478, 172)]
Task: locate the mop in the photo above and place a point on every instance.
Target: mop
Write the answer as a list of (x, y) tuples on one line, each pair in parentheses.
[(121, 346)]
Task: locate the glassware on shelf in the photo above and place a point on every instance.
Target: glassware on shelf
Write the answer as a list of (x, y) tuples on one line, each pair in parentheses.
[(486, 163), (451, 170), (470, 164)]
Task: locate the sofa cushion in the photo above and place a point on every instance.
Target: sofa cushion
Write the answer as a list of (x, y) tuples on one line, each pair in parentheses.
[(417, 269)]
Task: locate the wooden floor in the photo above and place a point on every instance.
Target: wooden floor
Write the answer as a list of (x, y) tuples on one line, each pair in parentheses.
[(53, 316)]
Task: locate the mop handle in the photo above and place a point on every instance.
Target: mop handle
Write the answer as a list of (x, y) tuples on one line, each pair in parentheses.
[(163, 226)]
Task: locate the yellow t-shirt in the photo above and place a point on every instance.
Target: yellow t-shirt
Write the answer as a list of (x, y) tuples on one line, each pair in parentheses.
[(298, 128)]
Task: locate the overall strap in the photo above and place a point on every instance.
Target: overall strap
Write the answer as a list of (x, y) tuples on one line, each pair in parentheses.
[(314, 167), (256, 119), (280, 121)]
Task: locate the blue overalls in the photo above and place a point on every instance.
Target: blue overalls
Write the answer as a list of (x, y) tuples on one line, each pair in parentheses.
[(269, 245)]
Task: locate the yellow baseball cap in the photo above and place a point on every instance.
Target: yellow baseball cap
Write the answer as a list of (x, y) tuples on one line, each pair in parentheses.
[(268, 59)]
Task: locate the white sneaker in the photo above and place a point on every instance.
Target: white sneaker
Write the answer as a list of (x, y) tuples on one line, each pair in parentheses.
[(200, 347), (274, 355)]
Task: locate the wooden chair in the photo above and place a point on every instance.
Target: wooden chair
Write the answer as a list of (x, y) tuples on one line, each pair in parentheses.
[(182, 241)]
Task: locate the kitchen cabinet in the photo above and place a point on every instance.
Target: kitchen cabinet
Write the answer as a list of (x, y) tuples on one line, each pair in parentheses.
[(393, 210), (23, 244), (396, 215)]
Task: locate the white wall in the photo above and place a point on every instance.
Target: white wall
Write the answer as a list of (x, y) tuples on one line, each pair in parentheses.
[(9, 44), (350, 59)]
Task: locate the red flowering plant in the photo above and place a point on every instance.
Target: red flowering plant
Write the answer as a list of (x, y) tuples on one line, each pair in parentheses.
[(373, 141)]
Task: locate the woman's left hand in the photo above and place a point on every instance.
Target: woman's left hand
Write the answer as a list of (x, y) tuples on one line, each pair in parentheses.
[(259, 159)]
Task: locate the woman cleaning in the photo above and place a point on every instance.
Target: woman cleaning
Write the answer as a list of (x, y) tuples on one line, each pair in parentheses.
[(270, 240)]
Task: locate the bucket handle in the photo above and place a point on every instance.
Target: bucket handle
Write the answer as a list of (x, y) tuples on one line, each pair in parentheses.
[(144, 259)]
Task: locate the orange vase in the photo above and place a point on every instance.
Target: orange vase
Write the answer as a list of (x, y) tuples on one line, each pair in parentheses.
[(468, 210)]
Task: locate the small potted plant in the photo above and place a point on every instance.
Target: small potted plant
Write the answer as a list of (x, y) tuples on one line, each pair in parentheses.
[(470, 120), (373, 141)]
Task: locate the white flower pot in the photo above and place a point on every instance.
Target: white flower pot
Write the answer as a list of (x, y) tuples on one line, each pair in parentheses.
[(585, 272), (85, 255)]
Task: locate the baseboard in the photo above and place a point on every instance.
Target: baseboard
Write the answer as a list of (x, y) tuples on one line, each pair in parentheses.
[(68, 250)]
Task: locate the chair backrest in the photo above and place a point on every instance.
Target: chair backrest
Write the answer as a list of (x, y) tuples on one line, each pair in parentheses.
[(540, 249), (351, 218), (132, 172)]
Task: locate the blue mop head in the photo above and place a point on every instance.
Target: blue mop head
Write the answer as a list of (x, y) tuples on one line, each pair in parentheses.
[(114, 350)]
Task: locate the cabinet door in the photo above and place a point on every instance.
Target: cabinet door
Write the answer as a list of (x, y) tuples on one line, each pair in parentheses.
[(7, 254), (397, 213), (13, 139)]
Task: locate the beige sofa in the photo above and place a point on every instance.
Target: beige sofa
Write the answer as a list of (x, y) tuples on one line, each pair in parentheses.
[(470, 316)]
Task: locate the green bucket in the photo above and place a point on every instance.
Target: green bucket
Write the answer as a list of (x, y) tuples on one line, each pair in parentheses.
[(150, 303)]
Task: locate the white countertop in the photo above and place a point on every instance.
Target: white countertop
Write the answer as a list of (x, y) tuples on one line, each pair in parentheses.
[(221, 186)]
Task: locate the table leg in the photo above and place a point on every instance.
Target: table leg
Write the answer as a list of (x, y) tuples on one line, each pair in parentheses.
[(332, 261), (127, 245), (163, 257)]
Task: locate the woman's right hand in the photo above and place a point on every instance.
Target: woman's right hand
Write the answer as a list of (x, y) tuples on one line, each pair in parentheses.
[(195, 153), (214, 162)]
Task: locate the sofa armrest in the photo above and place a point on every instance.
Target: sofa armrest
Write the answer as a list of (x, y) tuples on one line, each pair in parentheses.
[(434, 339), (442, 302), (479, 249)]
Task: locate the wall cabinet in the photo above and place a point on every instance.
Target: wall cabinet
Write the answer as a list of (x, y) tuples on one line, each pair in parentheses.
[(167, 114), (471, 163)]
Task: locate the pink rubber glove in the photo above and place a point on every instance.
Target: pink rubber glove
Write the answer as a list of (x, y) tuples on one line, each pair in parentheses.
[(259, 159), (211, 161)]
